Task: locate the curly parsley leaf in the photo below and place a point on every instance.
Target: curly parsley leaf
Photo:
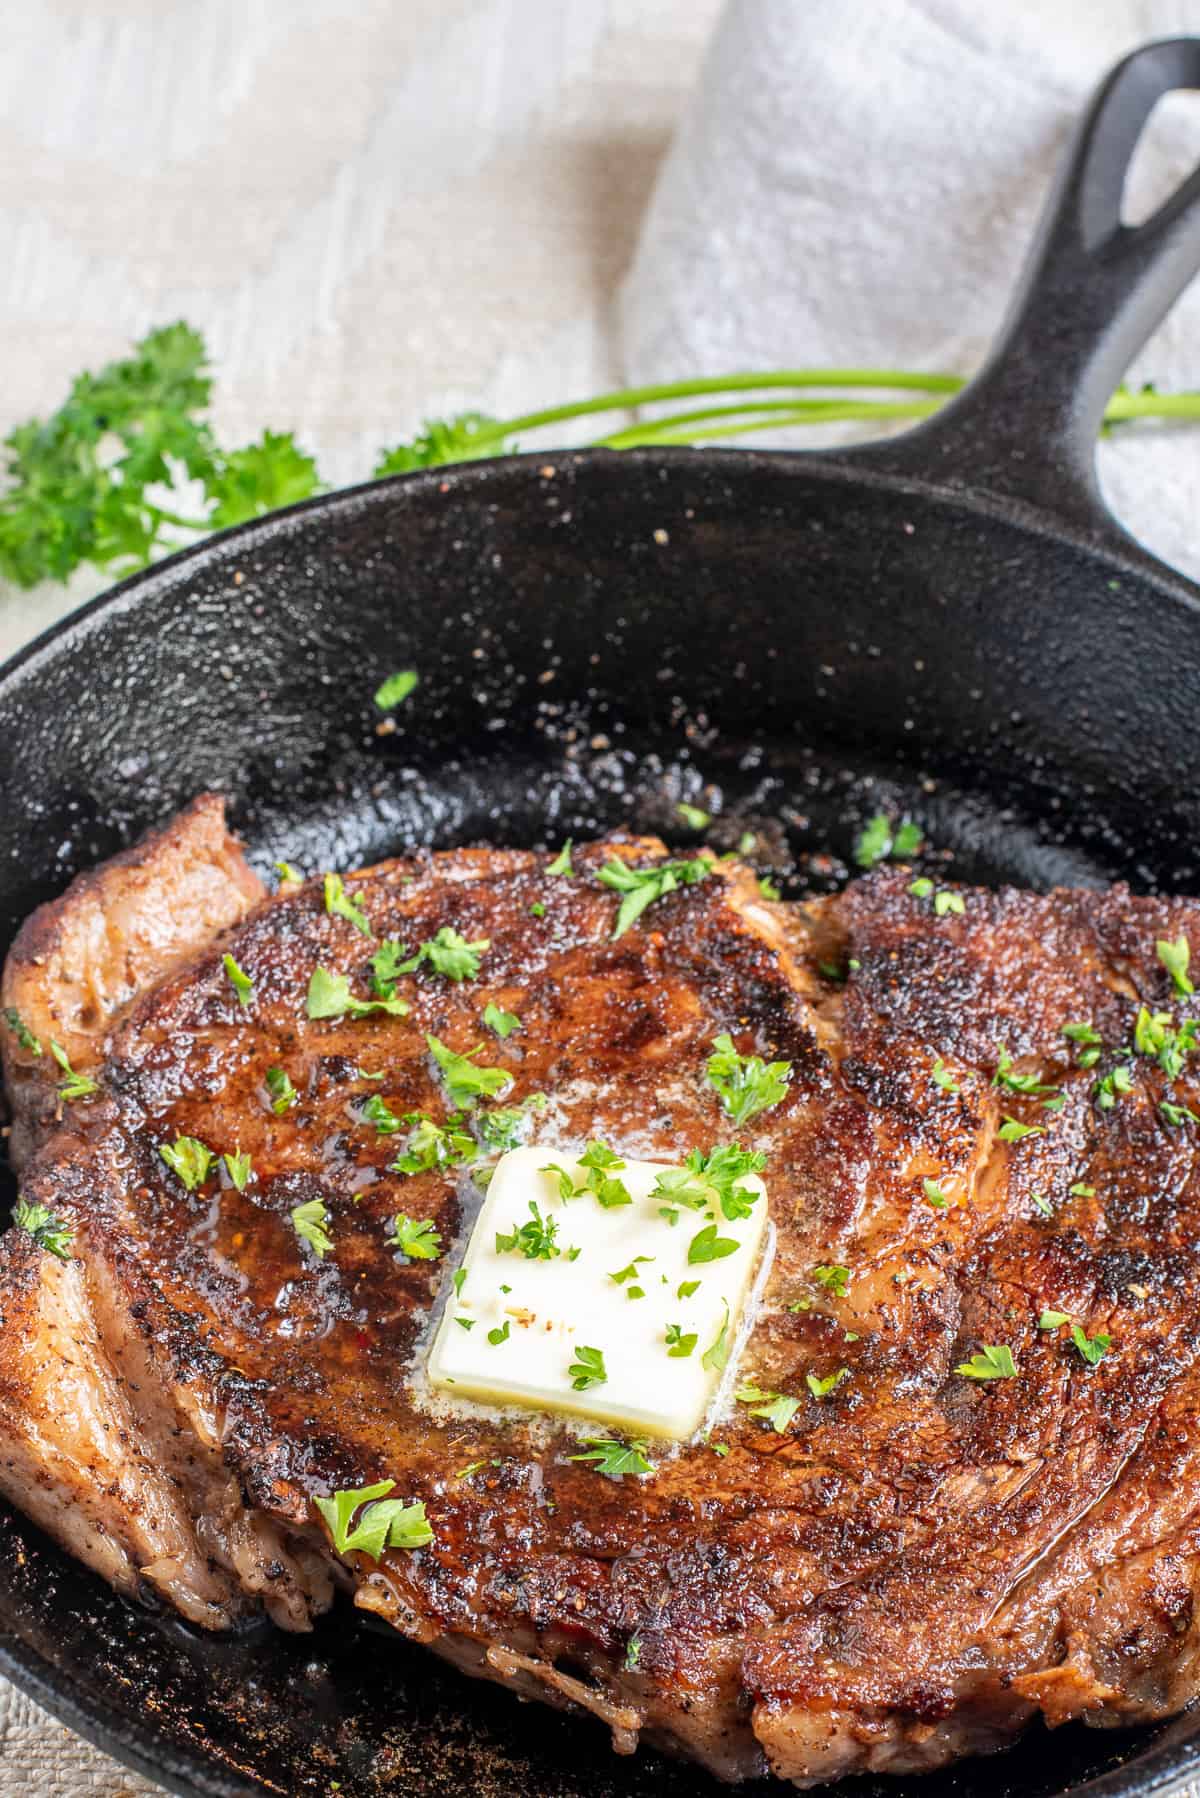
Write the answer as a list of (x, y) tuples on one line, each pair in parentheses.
[(382, 1522), (500, 1021), (283, 1093), (641, 887), (24, 1035), (878, 841), (309, 1221), (464, 1081), (1092, 1348), (535, 1240), (240, 981), (261, 477), (72, 1086), (329, 996), (47, 1231), (419, 1241), (239, 1168), (339, 904), (615, 1458), (587, 1369), (993, 1362), (189, 1159), (432, 1145), (1174, 957), (450, 954), (746, 1084), (774, 1408), (440, 441)]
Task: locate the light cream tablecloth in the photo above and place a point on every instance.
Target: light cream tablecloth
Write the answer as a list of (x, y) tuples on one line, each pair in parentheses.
[(374, 210)]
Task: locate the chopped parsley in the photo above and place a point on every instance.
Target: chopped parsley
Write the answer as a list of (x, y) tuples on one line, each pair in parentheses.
[(464, 1081), (833, 1279), (562, 862), (713, 1175), (641, 887), (878, 841), (1177, 1114), (288, 876), (773, 1407), (329, 996), (450, 954), (339, 904), (934, 1194), (239, 1169), (535, 1240), (587, 1369), (387, 964), (240, 981), (308, 1221), (1050, 1320), (499, 1334), (686, 1288), (767, 889), (821, 1388), (633, 1654), (1092, 1348), (431, 1145), (1029, 1084), (1174, 958), (945, 901), (746, 1084), (376, 1110), (993, 1362), (615, 1458), (1043, 1204), (500, 1130), (680, 1346), (502, 1022), (1087, 1041), (47, 1231), (1153, 1035), (419, 1241), (941, 1076), (283, 1093), (382, 1522), (922, 887), (706, 1245), (396, 688), (24, 1035), (631, 1271), (537, 909), (1013, 1130), (1113, 1086), (72, 1085), (1082, 1191), (716, 1354), (188, 1158), (693, 815)]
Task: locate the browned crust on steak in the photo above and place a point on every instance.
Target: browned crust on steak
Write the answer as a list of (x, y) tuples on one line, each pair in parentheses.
[(79, 960), (919, 1563)]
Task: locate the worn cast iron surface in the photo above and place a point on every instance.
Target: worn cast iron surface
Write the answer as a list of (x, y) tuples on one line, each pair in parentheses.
[(949, 625)]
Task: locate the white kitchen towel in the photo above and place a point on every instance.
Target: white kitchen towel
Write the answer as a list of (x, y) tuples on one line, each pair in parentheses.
[(855, 182)]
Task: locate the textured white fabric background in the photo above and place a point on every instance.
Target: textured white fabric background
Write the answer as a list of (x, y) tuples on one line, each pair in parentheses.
[(374, 209), (855, 183)]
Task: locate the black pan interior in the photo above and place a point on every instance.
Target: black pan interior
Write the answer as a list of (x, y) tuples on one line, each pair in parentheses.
[(789, 645)]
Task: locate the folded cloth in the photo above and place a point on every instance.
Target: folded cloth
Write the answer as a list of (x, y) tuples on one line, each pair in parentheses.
[(856, 183)]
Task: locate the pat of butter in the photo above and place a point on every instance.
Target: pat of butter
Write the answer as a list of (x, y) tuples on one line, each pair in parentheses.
[(519, 1323)]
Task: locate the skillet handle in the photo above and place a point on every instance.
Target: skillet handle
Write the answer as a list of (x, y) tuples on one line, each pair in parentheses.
[(1092, 292)]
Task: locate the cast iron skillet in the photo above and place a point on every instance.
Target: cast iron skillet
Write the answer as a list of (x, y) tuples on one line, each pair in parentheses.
[(950, 624)]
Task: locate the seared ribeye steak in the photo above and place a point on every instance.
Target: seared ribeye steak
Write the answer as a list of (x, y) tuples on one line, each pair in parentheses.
[(958, 1486)]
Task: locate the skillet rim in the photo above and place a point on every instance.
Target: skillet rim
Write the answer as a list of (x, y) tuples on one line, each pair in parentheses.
[(128, 1739)]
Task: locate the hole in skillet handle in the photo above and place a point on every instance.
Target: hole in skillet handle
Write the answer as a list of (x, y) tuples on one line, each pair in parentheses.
[(1093, 290)]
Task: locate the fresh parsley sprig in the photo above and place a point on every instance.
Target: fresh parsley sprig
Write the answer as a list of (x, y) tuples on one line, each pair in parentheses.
[(69, 500), (47, 1231), (641, 887)]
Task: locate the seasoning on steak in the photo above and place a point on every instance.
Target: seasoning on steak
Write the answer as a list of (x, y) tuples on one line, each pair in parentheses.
[(904, 1566)]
